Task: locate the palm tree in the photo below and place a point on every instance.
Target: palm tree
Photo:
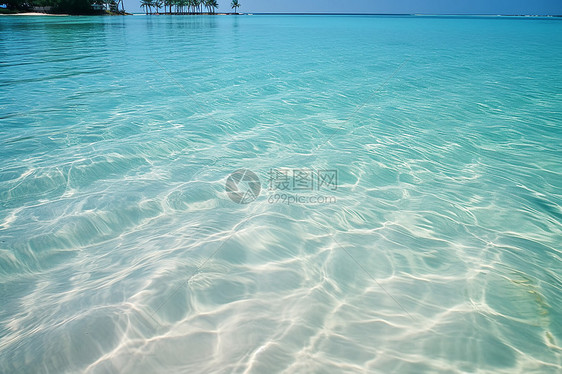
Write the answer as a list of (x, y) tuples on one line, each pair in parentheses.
[(192, 5), (235, 5), (115, 3), (184, 5), (146, 5), (157, 4)]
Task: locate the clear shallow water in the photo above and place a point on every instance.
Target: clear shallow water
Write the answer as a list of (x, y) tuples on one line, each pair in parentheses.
[(120, 250)]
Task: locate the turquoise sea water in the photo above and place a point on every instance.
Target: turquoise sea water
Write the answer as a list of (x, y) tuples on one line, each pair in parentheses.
[(439, 250)]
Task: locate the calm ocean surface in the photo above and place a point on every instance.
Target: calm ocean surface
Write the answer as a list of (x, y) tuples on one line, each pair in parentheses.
[(438, 249)]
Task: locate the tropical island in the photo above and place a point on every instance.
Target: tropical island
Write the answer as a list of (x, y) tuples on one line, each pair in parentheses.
[(184, 6), (111, 7), (74, 7)]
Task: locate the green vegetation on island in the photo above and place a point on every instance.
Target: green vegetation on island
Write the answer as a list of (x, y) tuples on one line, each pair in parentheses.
[(86, 7), (65, 6), (183, 6)]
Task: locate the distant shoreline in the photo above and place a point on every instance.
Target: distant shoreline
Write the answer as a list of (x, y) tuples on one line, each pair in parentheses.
[(35, 14), (370, 14), (290, 14), (189, 14), (408, 14)]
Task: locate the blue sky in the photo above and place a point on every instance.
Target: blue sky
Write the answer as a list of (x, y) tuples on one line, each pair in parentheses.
[(390, 6)]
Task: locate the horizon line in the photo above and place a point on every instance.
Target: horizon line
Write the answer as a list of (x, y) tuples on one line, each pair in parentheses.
[(383, 14), (406, 14)]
